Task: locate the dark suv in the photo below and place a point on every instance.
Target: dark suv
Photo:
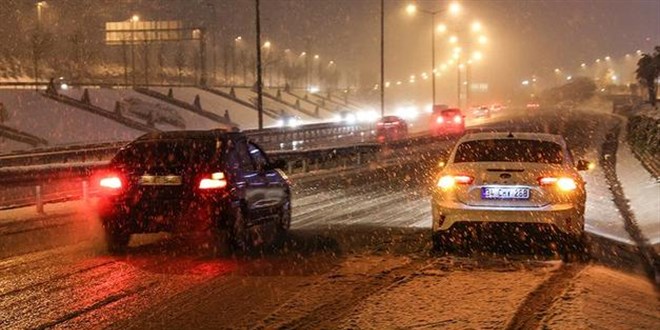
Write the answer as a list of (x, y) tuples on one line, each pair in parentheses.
[(187, 181)]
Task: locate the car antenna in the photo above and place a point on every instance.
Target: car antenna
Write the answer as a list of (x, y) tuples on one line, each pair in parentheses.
[(510, 134)]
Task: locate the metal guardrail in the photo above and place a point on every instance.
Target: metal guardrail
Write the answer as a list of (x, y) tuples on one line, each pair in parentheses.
[(35, 179), (271, 139)]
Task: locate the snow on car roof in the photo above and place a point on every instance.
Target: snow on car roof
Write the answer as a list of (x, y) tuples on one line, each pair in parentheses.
[(514, 135)]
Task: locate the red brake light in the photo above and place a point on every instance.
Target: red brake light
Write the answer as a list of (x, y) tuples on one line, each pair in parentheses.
[(448, 181), (380, 123), (439, 120), (545, 181), (111, 182), (463, 179), (563, 183), (458, 119), (215, 181)]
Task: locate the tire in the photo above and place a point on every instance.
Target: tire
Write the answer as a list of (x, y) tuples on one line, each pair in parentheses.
[(238, 235), (285, 219), (442, 242), (574, 248), (116, 240)]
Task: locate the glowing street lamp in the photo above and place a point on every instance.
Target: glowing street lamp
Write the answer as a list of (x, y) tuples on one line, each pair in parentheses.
[(476, 27), (453, 39), (135, 18), (482, 40), (454, 8), (441, 28), (477, 56), (267, 44), (411, 9)]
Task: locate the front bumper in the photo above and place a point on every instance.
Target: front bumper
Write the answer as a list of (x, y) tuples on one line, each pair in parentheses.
[(566, 218)]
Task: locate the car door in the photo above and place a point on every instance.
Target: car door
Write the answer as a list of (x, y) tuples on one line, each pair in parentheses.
[(276, 192), (248, 184)]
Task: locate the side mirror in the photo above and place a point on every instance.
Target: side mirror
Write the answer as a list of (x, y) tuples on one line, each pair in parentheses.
[(583, 165), (278, 163)]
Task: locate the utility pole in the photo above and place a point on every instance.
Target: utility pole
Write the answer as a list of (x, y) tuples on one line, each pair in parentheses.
[(382, 58), (433, 55), (260, 105)]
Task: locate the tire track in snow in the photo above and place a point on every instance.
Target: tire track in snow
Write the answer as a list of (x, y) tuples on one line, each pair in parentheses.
[(651, 261), (532, 310)]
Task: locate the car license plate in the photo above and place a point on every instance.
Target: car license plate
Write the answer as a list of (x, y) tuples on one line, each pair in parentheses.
[(165, 180), (504, 193)]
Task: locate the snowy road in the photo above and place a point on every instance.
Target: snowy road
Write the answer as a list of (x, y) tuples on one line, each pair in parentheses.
[(357, 257)]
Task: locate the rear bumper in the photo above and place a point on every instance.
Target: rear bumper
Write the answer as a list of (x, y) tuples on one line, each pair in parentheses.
[(180, 216), (566, 218), (446, 130)]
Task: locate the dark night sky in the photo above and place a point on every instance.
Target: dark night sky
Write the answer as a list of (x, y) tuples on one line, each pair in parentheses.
[(526, 37)]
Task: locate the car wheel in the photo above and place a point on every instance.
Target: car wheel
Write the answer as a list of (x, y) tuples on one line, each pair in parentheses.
[(574, 248), (116, 239), (442, 242), (239, 236), (285, 219)]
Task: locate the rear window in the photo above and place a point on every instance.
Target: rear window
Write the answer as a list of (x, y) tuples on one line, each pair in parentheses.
[(181, 153), (499, 150), (450, 113)]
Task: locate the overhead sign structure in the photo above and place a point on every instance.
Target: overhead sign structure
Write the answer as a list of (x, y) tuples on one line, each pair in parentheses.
[(128, 32), (134, 32)]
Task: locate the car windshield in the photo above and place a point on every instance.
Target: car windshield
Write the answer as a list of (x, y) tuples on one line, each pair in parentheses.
[(509, 150), (346, 191)]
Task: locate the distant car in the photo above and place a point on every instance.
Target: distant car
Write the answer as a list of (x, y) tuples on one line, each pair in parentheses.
[(496, 108), (533, 106), (481, 112), (510, 184), (346, 117), (289, 121), (391, 128), (447, 122), (193, 181)]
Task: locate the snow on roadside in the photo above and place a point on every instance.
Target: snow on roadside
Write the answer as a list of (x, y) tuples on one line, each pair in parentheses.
[(642, 190), (602, 217), (604, 298)]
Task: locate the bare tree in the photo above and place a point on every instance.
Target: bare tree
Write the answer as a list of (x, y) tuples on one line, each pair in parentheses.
[(180, 61)]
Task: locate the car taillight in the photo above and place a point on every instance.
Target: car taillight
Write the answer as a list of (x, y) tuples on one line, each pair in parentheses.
[(380, 124), (215, 181), (563, 183), (439, 120), (449, 181), (111, 183), (458, 119)]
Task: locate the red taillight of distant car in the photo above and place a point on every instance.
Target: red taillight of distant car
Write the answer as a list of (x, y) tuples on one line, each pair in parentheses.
[(458, 119), (216, 180), (440, 120)]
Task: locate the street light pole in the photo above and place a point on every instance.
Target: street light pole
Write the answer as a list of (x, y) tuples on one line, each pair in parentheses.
[(382, 58), (433, 55), (260, 105)]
